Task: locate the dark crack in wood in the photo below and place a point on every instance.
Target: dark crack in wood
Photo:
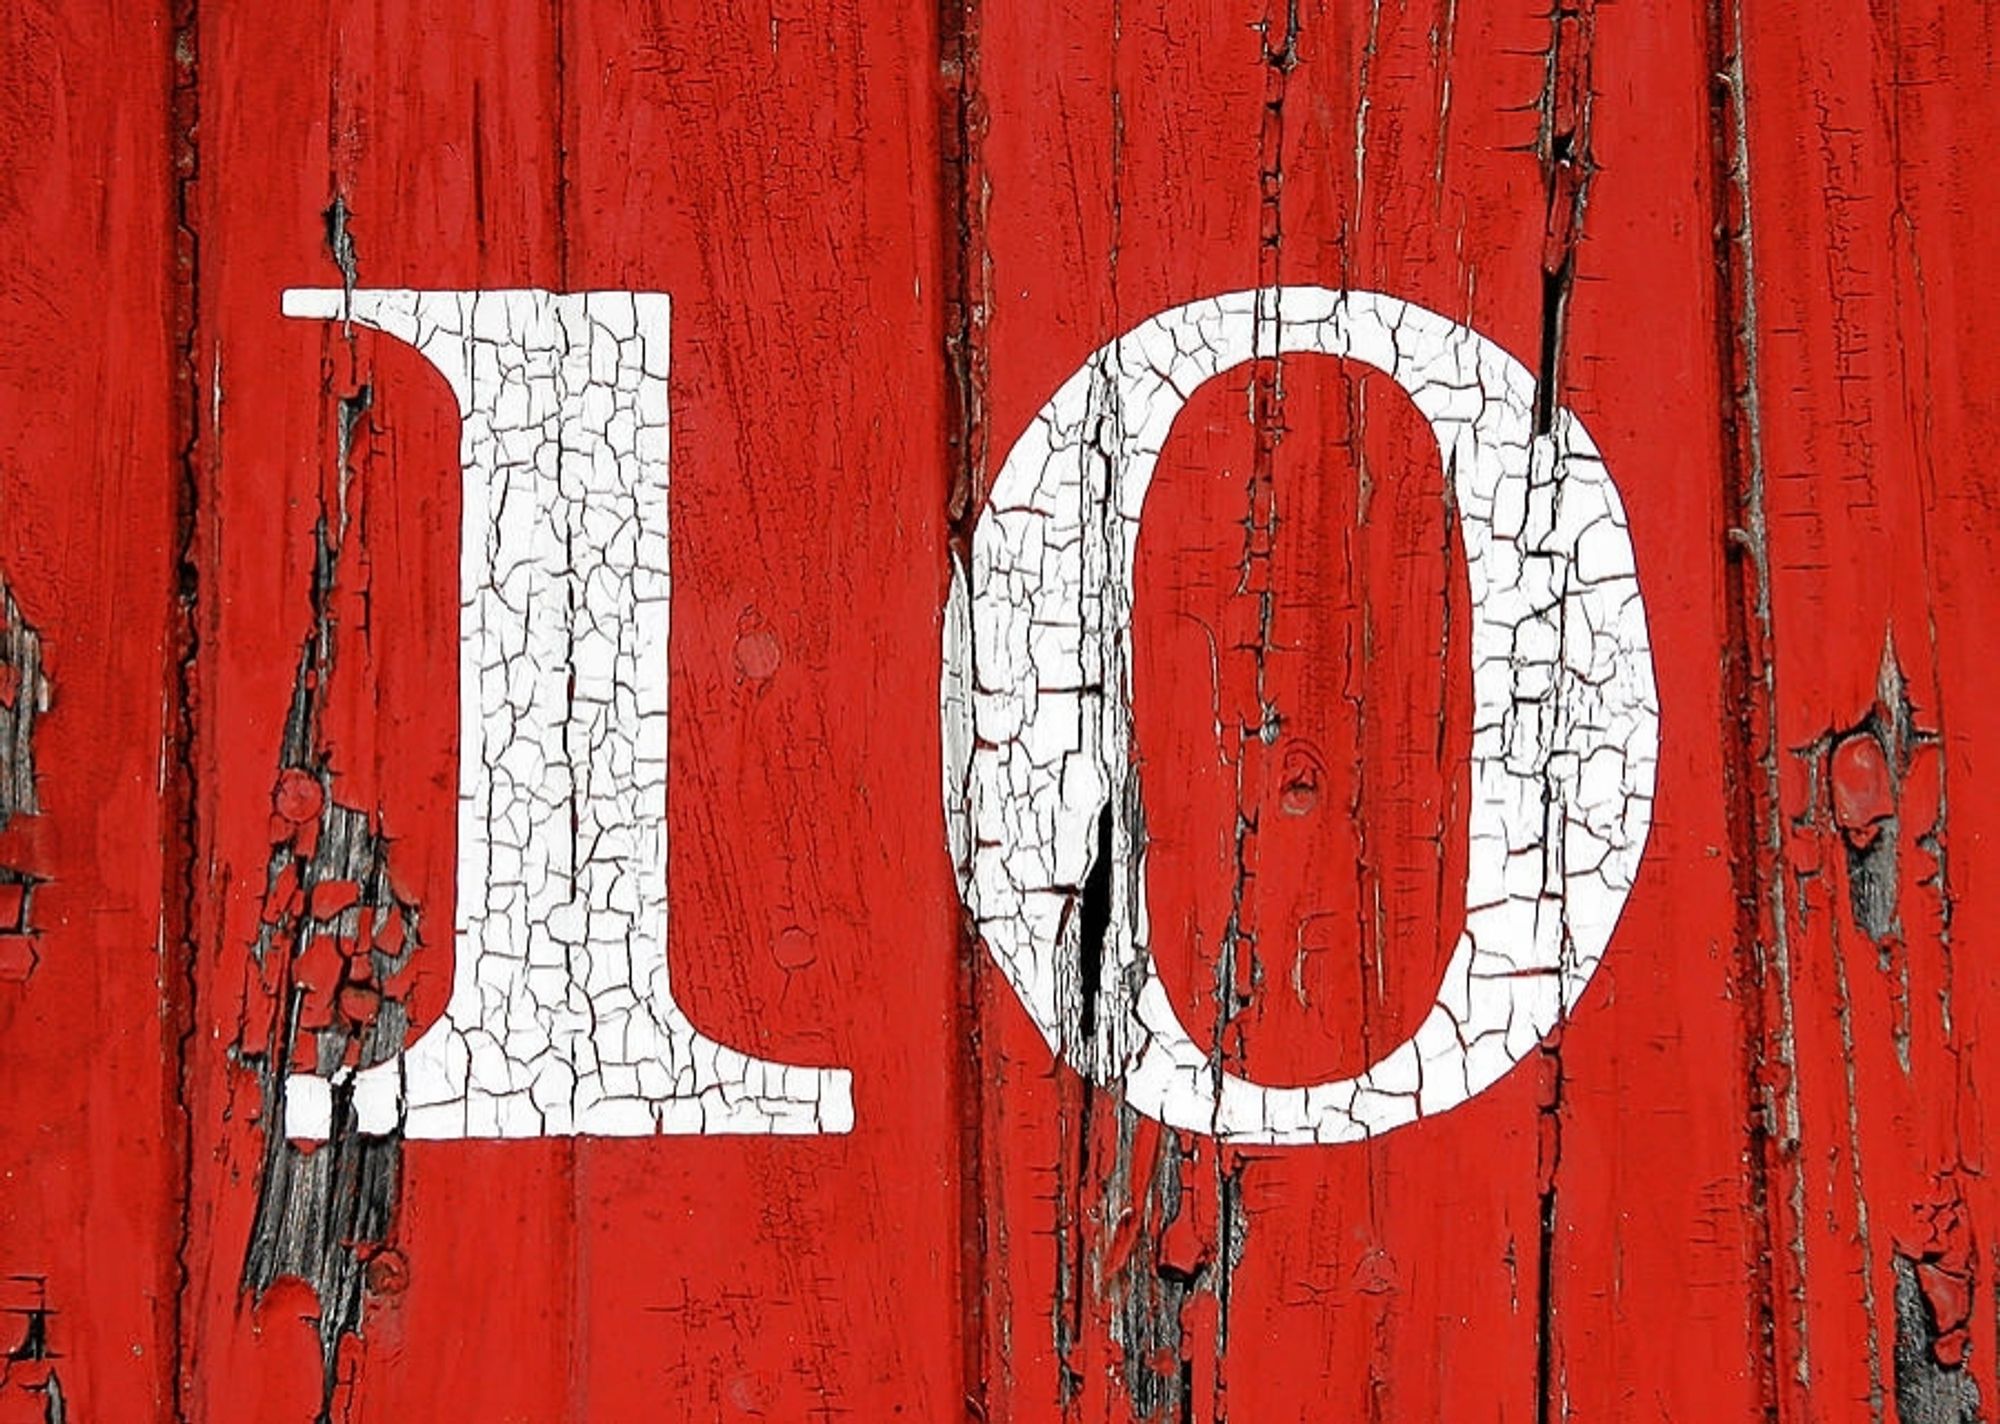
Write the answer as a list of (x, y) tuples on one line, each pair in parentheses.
[(28, 1369)]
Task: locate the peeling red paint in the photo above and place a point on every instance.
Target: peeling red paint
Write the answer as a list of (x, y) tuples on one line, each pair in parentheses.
[(1936, 1239)]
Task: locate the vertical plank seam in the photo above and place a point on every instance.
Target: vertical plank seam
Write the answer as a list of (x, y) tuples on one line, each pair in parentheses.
[(1749, 713), (179, 937), (964, 309)]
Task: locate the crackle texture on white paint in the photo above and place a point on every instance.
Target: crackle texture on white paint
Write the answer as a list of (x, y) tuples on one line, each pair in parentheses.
[(561, 1020), (1037, 700)]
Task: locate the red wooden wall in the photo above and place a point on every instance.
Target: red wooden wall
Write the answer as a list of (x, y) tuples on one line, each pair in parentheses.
[(1746, 1179)]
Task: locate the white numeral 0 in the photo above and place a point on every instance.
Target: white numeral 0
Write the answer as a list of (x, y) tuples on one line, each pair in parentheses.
[(1037, 699)]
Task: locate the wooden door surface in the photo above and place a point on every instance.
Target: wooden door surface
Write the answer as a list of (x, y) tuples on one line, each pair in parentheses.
[(1140, 710)]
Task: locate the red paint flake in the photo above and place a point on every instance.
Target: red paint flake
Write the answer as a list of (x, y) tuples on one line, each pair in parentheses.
[(359, 1004), (272, 969), (793, 948), (17, 958), (282, 899), (1950, 1295), (1183, 1249), (318, 968), (398, 985), (13, 905), (315, 1015), (1934, 1240), (330, 897), (298, 798), (288, 1298), (1302, 775), (25, 1381), (254, 1038), (388, 1272), (1863, 797), (317, 971), (10, 684), (757, 655), (1187, 1242)]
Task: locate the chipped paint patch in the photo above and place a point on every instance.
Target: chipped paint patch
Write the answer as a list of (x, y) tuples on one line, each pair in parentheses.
[(333, 943), (30, 1387), (24, 697), (20, 951), (1935, 1271), (1856, 779)]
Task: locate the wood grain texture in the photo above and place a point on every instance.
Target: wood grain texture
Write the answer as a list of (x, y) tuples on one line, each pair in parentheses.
[(1745, 1180), (91, 1137)]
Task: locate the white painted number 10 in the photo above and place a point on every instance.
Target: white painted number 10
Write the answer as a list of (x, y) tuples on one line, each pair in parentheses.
[(561, 1019)]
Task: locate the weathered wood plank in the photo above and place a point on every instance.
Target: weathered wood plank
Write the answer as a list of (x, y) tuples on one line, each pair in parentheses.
[(91, 1134), (1484, 1265), (775, 168), (379, 146), (1863, 168)]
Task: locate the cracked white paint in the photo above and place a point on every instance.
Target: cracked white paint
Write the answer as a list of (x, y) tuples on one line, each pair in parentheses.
[(1037, 697), (561, 1019)]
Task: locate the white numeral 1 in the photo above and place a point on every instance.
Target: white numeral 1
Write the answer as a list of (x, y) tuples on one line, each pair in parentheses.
[(561, 1019)]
